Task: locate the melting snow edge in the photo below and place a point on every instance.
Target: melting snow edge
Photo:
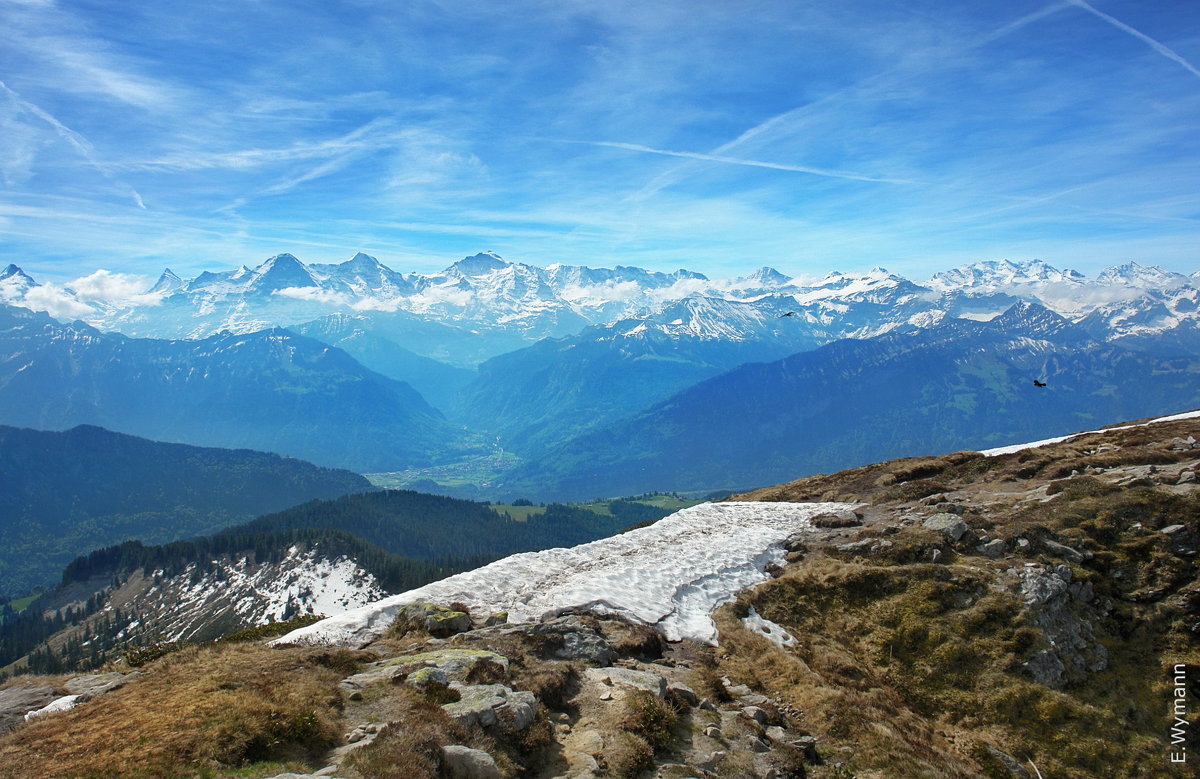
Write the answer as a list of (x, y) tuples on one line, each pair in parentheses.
[(671, 575)]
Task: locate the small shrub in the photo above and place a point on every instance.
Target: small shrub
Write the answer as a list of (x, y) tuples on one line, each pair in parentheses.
[(140, 656), (648, 716), (628, 756), (272, 629)]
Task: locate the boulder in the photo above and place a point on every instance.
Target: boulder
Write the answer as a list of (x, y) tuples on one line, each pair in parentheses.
[(92, 685), (437, 621), (756, 714), (947, 524), (455, 663), (838, 519), (492, 706), (993, 549), (460, 762), (17, 701), (684, 693), (1062, 550)]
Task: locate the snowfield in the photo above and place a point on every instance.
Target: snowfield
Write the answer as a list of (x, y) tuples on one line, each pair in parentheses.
[(670, 575)]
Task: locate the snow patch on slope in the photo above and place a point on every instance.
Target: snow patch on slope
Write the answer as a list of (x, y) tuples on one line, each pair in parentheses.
[(999, 450), (671, 575)]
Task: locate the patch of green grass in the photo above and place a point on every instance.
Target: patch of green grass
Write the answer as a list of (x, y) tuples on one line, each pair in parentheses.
[(20, 604), (519, 513)]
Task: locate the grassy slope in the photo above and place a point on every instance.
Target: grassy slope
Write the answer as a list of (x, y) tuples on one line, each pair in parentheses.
[(915, 669)]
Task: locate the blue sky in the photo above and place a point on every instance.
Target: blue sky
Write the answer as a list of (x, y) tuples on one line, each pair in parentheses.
[(717, 136)]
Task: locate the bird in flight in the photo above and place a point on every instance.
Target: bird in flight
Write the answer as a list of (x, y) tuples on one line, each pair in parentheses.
[(790, 313), (1037, 383)]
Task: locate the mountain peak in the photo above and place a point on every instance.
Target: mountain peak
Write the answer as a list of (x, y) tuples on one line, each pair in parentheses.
[(360, 259), (167, 282), (14, 271), (1134, 274), (280, 272), (478, 264), (767, 276), (1033, 319)]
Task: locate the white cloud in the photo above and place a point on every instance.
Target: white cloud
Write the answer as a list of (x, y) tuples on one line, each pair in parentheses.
[(56, 302), (104, 286), (609, 291), (314, 295)]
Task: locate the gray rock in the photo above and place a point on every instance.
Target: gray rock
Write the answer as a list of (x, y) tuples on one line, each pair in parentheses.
[(683, 693), (492, 706), (627, 677), (1074, 651), (865, 546), (1023, 544), (442, 664), (1062, 550), (1045, 668), (712, 731), (948, 525), (756, 714), (737, 690), (1082, 591), (1186, 477), (776, 733), (16, 702), (590, 742), (1174, 530), (586, 645), (993, 549), (372, 676), (807, 745), (438, 621), (838, 519), (92, 685), (760, 744), (1009, 762), (460, 762)]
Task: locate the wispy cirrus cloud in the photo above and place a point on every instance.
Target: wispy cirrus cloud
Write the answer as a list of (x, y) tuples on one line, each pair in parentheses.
[(73, 138), (1161, 48), (837, 174)]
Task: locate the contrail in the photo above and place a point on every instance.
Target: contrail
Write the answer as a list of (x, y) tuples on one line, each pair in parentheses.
[(1120, 25), (862, 87), (76, 140), (837, 174)]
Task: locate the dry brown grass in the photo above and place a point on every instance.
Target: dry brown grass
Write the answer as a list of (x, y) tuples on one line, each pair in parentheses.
[(410, 747), (196, 712)]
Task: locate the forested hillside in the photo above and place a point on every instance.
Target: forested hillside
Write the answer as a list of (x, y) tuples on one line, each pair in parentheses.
[(67, 493)]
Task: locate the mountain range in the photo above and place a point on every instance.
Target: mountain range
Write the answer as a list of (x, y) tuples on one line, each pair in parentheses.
[(960, 385), (385, 371), (270, 390)]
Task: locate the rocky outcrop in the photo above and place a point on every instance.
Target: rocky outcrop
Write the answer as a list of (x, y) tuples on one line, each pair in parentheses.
[(1062, 609)]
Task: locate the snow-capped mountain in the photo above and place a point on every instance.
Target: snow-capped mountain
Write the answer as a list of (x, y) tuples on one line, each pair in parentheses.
[(498, 305), (14, 284)]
